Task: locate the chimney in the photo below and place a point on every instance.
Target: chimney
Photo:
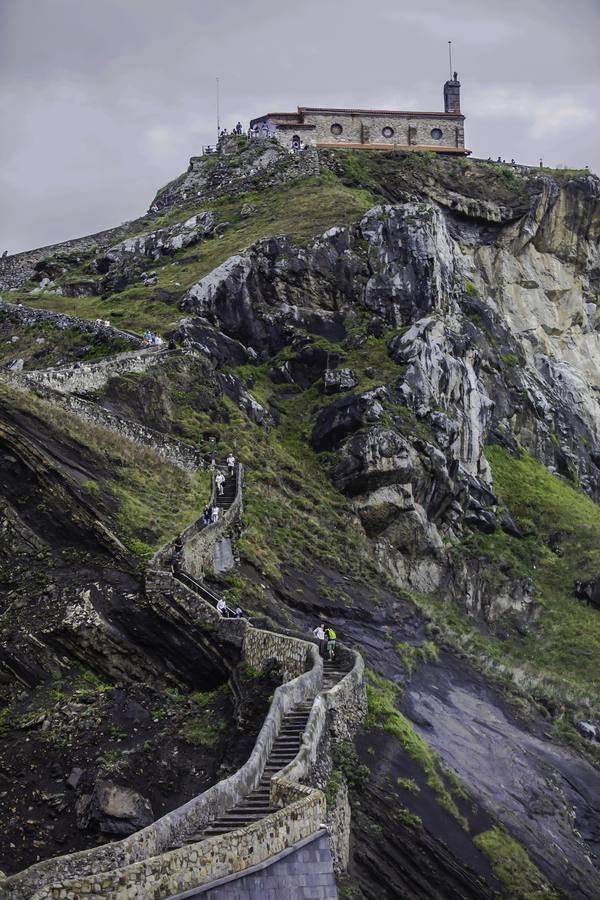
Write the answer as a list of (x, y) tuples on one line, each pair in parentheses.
[(452, 95)]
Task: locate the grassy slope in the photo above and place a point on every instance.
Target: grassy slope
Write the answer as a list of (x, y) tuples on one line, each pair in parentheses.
[(567, 643), (43, 344), (302, 209), (153, 499)]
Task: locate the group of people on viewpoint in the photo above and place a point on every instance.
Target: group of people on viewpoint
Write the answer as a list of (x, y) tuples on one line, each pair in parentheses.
[(326, 637)]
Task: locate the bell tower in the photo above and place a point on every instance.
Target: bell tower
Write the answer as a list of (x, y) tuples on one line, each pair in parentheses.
[(452, 95)]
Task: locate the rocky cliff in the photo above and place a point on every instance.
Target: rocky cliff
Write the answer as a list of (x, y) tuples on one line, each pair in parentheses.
[(403, 351)]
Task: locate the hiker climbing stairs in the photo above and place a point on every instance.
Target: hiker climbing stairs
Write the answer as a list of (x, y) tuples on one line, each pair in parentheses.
[(224, 500)]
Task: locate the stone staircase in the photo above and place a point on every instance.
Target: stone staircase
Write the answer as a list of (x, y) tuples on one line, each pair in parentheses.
[(224, 500)]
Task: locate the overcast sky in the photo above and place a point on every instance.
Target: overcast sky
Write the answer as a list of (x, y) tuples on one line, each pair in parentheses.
[(103, 101)]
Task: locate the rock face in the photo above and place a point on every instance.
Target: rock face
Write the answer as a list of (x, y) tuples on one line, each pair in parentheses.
[(459, 312), (113, 809), (487, 348)]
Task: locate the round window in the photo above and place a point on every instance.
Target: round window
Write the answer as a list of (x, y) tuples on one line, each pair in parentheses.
[(336, 128), (436, 133), (387, 131)]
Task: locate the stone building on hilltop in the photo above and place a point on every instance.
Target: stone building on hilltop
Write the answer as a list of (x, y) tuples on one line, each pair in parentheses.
[(370, 129)]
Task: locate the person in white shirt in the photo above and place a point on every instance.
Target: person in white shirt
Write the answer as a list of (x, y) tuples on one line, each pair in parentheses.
[(215, 514), (219, 479), (221, 606), (231, 463), (319, 633)]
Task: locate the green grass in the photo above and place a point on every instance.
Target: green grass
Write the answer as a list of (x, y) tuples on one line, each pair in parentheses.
[(133, 310), (512, 865), (302, 209), (382, 695), (564, 648), (155, 499), (57, 345)]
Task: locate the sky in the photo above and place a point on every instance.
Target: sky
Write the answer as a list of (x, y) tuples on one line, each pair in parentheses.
[(104, 101)]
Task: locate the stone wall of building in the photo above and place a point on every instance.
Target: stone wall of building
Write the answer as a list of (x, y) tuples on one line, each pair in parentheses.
[(367, 129)]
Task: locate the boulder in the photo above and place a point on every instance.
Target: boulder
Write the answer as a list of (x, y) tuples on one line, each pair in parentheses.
[(337, 380), (482, 520), (373, 459), (589, 731), (113, 809), (589, 591), (346, 415)]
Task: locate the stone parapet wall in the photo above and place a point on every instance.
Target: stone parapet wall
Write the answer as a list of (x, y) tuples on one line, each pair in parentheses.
[(199, 540), (304, 869), (114, 861), (181, 455), (29, 315), (144, 865), (293, 655), (15, 270), (198, 864), (83, 378)]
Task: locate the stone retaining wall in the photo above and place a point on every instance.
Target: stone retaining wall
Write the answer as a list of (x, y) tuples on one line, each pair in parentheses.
[(292, 654), (305, 869), (83, 378), (144, 865), (29, 315), (197, 864)]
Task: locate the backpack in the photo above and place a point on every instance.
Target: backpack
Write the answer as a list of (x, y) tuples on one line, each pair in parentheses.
[(330, 634)]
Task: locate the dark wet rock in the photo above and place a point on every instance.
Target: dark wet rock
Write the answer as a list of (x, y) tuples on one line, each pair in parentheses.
[(544, 794), (589, 591), (220, 349), (74, 778), (346, 415), (235, 390), (589, 731), (508, 524), (482, 520), (113, 809), (412, 258), (337, 380), (555, 540), (306, 365), (375, 458)]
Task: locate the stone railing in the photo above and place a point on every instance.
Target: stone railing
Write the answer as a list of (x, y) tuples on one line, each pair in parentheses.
[(143, 865), (30, 315), (198, 539), (81, 378), (144, 858)]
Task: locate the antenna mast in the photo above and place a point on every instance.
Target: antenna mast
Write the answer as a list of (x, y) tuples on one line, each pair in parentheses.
[(450, 57), (218, 113)]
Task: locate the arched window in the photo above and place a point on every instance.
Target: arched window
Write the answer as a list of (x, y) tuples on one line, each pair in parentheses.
[(336, 128)]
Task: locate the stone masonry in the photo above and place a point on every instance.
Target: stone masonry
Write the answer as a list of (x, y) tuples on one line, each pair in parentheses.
[(144, 867), (303, 870)]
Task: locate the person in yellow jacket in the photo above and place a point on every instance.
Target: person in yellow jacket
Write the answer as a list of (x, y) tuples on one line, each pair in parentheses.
[(331, 639)]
